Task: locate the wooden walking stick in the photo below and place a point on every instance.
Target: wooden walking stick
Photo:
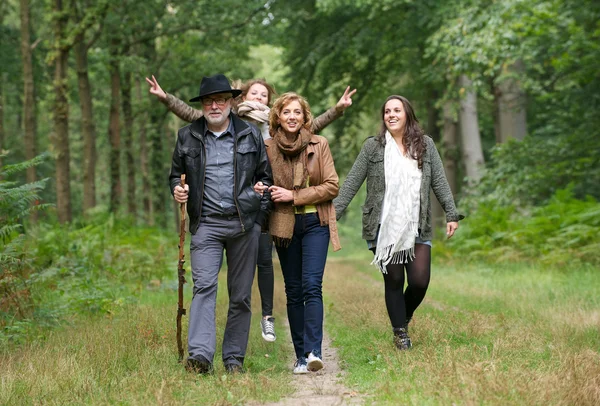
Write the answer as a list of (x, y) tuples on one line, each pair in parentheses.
[(181, 274)]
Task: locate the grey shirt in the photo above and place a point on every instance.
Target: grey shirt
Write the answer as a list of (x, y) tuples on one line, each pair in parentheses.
[(219, 180)]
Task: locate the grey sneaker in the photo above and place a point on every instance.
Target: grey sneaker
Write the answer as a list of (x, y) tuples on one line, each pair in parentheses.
[(267, 325)]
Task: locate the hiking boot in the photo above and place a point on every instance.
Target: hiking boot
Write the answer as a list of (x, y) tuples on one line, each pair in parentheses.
[(314, 361), (234, 369), (267, 325), (401, 339), (199, 366), (300, 366)]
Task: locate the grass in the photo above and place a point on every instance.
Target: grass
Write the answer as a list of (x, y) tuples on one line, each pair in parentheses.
[(501, 335), (131, 358), (484, 335)]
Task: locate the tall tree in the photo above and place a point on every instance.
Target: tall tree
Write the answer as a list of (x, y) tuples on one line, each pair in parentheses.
[(2, 104), (142, 128), (128, 140), (60, 133), (472, 151), (84, 40), (510, 97), (29, 102), (114, 125), (450, 149)]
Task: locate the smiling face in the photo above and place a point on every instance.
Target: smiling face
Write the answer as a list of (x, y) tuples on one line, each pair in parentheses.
[(394, 117), (257, 93), (291, 117)]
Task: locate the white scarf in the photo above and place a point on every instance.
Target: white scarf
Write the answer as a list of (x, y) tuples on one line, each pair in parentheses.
[(401, 205), (257, 113)]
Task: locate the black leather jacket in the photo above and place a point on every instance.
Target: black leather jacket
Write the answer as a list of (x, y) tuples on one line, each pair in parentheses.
[(250, 164)]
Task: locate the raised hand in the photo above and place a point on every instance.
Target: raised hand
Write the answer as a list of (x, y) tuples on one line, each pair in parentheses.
[(155, 88), (346, 100)]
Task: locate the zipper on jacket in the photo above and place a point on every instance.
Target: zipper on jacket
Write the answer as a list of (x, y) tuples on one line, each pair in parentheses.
[(235, 183)]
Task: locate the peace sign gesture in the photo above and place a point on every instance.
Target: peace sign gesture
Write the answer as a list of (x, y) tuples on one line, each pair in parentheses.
[(155, 88), (346, 100)]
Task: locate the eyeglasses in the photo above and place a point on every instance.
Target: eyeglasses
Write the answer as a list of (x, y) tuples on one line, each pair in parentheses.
[(220, 101)]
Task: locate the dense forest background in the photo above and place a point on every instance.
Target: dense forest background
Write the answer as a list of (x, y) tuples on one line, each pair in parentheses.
[(508, 89)]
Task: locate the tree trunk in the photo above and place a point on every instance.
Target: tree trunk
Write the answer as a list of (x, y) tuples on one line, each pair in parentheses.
[(143, 143), (2, 104), (431, 128), (450, 149), (158, 175), (128, 141), (87, 124), (29, 104), (60, 135), (433, 116), (2, 96), (509, 94), (470, 137), (114, 135)]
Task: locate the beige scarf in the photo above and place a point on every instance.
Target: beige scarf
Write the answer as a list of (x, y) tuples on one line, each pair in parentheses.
[(288, 161), (256, 112)]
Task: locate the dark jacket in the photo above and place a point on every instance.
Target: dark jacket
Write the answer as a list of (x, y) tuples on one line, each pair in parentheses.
[(250, 166), (369, 165)]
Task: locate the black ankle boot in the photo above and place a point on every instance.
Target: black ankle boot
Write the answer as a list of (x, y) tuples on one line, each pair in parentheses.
[(401, 339)]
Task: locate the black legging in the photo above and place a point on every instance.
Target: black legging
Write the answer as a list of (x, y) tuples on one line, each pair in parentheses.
[(265, 273), (402, 304)]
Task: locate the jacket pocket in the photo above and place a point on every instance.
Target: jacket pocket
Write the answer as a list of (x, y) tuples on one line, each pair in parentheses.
[(191, 152), (191, 157), (247, 156)]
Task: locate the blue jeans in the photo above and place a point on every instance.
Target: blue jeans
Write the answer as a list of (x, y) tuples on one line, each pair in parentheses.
[(303, 265)]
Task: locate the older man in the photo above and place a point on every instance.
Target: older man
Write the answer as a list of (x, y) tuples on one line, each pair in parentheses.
[(222, 157)]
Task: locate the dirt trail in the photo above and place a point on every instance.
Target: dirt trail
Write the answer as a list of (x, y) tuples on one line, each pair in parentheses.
[(323, 388)]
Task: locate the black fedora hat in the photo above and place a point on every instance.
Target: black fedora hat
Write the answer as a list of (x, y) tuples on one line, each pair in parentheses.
[(215, 84)]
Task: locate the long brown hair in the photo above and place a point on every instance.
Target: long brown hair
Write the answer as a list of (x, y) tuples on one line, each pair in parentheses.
[(283, 101), (413, 139)]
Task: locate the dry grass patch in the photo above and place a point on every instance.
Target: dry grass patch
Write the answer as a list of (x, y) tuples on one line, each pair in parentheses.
[(132, 359), (467, 349)]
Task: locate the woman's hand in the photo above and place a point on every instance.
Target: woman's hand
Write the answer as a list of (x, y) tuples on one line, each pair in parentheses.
[(281, 195), (260, 188), (346, 100), (155, 88), (451, 227)]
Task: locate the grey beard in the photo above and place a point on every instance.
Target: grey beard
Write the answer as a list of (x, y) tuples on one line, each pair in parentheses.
[(218, 121)]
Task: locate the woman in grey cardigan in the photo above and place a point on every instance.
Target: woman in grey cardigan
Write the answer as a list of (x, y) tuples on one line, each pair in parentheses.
[(401, 164)]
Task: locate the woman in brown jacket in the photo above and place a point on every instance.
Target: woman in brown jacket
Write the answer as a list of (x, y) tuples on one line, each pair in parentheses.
[(253, 106), (303, 221)]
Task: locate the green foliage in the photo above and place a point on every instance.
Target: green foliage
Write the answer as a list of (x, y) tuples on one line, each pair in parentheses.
[(563, 232), (529, 172), (16, 202), (87, 268)]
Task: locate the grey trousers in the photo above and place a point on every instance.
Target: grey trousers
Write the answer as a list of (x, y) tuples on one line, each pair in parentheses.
[(206, 249)]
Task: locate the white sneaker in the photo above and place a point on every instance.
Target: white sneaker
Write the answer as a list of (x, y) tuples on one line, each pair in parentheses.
[(267, 326), (300, 366), (314, 363)]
